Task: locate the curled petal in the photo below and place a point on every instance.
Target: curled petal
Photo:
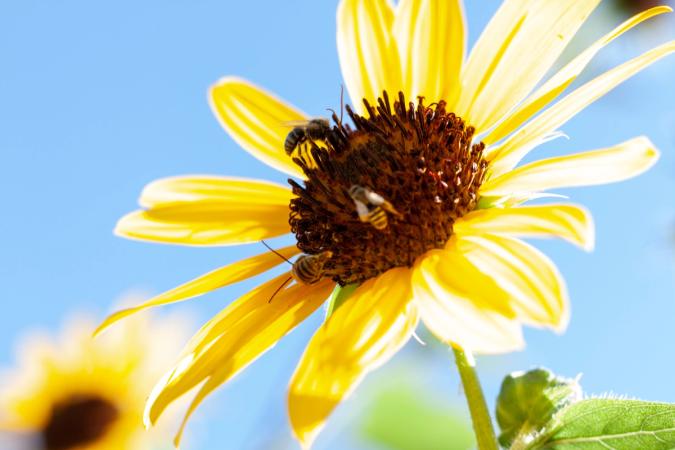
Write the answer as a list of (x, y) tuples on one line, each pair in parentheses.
[(462, 306), (536, 291), (570, 222)]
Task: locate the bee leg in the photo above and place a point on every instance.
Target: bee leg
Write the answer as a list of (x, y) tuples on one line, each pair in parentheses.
[(390, 209)]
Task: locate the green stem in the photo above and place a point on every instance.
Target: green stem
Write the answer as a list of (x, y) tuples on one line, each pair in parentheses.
[(480, 416)]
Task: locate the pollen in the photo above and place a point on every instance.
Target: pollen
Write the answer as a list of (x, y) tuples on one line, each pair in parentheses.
[(416, 169)]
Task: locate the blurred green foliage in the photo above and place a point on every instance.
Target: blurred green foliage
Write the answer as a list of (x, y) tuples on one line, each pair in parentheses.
[(402, 417)]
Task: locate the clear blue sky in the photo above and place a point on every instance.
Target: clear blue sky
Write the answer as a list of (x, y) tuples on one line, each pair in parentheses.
[(99, 98)]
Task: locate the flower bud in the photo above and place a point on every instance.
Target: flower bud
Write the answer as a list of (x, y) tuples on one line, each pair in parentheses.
[(528, 400)]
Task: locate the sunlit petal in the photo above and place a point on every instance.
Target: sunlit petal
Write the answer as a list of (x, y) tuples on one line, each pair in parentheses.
[(256, 120), (224, 276), (536, 291), (507, 155), (362, 334), (368, 55), (234, 338), (569, 222), (517, 48), (209, 211), (563, 78), (431, 39), (213, 189), (608, 165), (462, 306)]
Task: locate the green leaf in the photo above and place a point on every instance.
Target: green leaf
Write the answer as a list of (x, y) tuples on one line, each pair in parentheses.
[(528, 400), (612, 424), (403, 418), (338, 297)]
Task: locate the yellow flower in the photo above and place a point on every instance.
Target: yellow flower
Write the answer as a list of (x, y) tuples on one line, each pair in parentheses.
[(74, 393), (418, 203)]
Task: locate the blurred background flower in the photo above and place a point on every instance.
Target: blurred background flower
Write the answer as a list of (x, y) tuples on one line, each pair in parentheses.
[(98, 99), (73, 392)]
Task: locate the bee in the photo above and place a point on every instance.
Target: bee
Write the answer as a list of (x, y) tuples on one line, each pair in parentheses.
[(307, 269), (371, 207), (314, 129)]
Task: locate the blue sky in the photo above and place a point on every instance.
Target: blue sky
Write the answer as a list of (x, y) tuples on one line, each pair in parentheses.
[(99, 98)]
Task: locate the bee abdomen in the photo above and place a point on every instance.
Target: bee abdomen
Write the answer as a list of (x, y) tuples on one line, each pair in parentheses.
[(378, 218), (308, 269), (305, 271), (293, 139)]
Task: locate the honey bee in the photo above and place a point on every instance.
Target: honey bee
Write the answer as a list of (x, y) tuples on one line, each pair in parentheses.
[(307, 269), (314, 129), (372, 207)]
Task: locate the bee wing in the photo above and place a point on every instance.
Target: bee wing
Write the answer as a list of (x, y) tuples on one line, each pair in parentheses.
[(295, 123), (361, 210), (375, 198), (303, 123)]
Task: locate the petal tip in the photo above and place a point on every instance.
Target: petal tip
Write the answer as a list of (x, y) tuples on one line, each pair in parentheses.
[(123, 227), (560, 327), (226, 81), (111, 320), (588, 234)]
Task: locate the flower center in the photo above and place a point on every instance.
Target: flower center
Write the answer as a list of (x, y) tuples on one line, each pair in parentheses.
[(385, 191), (78, 421)]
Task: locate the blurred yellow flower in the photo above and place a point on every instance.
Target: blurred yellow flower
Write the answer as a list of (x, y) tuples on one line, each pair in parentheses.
[(77, 393), (418, 203)]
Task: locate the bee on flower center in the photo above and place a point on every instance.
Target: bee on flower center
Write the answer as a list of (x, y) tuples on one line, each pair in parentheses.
[(309, 269), (371, 207), (313, 129), (420, 158)]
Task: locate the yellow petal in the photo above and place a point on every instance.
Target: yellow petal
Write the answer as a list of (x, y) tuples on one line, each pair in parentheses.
[(213, 189), (213, 211), (536, 290), (514, 199), (559, 82), (362, 334), (462, 306), (233, 339), (608, 165), (570, 222), (224, 276), (517, 48), (367, 50), (256, 120), (507, 155), (430, 36)]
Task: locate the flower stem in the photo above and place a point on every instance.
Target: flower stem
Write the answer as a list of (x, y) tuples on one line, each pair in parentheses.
[(480, 416)]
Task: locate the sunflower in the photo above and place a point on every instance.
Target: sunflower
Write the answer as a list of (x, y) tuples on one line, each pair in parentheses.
[(410, 208), (76, 393)]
